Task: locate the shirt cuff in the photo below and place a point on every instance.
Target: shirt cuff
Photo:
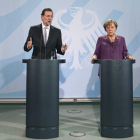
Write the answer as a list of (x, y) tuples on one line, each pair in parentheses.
[(29, 48)]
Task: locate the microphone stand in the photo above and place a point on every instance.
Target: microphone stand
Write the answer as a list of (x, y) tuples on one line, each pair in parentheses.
[(45, 50), (40, 46)]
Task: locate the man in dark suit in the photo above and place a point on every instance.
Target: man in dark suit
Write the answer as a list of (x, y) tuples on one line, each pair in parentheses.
[(45, 39)]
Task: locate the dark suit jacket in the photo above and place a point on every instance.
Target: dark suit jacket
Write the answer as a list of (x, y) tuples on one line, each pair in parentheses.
[(40, 50)]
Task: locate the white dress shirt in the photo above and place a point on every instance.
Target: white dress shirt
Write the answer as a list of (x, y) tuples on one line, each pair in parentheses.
[(47, 30)]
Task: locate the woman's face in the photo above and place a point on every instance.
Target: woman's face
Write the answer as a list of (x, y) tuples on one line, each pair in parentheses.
[(111, 29)]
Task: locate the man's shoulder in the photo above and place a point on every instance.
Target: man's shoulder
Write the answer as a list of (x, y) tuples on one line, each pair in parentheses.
[(36, 26), (55, 28)]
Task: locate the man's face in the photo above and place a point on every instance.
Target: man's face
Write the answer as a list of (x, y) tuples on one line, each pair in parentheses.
[(47, 18), (111, 29)]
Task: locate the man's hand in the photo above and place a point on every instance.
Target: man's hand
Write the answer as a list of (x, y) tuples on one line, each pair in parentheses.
[(29, 43), (94, 57), (64, 47)]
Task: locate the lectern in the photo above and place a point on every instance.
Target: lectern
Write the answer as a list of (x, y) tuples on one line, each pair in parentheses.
[(116, 84), (42, 98)]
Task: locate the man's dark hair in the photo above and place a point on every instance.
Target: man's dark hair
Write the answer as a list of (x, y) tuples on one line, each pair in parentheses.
[(46, 9)]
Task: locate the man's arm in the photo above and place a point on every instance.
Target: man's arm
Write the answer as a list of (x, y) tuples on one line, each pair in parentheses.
[(59, 44), (28, 44)]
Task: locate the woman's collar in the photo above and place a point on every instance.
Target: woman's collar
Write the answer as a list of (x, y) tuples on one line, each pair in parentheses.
[(115, 37)]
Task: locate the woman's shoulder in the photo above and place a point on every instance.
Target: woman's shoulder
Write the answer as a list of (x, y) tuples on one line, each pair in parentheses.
[(120, 37), (102, 37), (105, 37)]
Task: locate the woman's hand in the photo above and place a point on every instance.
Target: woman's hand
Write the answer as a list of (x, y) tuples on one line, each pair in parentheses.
[(130, 57), (94, 57)]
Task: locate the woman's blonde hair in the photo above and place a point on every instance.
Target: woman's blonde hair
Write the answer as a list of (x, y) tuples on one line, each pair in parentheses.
[(108, 22)]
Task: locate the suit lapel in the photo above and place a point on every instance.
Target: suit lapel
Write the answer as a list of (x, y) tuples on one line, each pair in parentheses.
[(109, 41), (41, 34), (116, 41)]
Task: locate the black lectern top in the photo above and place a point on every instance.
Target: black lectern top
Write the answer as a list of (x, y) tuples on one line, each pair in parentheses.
[(104, 60), (47, 60)]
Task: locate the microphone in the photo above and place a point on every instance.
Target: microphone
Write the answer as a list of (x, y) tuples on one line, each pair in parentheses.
[(45, 50), (40, 46)]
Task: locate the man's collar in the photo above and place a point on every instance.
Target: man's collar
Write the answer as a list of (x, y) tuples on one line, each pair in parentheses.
[(43, 26)]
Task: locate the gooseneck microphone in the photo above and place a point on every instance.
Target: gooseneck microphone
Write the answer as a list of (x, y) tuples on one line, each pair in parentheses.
[(45, 51), (40, 46)]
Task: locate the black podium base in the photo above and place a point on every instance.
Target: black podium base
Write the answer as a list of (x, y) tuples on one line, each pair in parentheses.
[(42, 133), (116, 132)]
